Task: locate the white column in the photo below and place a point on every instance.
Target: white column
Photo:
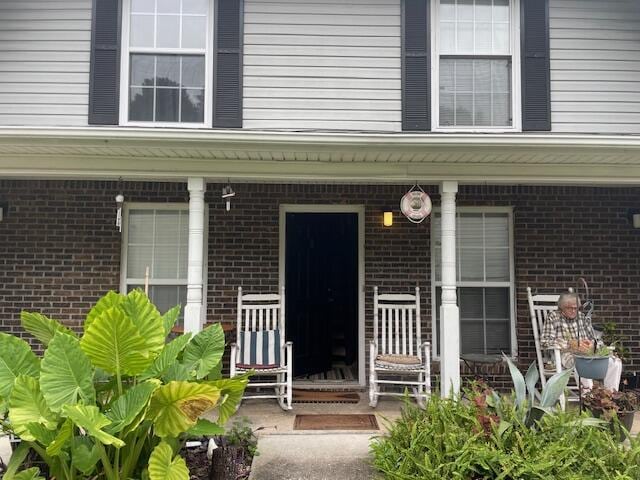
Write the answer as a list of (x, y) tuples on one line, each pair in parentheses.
[(193, 310), (449, 314)]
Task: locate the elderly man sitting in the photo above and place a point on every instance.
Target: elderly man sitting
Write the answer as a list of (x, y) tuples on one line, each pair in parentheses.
[(566, 324)]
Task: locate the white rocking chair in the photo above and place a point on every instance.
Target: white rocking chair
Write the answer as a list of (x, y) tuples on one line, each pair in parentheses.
[(261, 346), (548, 360), (397, 349)]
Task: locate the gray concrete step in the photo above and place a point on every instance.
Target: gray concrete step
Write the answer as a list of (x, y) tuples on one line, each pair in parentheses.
[(327, 456)]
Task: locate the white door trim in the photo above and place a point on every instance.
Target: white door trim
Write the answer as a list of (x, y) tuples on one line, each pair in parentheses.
[(359, 210)]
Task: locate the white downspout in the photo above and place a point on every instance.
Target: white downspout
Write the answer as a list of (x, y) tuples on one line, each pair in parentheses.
[(449, 313), (193, 310)]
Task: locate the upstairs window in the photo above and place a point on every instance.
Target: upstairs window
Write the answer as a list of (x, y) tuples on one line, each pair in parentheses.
[(166, 61), (476, 65)]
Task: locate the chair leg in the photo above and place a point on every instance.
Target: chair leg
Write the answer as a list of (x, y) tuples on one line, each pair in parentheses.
[(280, 391), (420, 395), (373, 389)]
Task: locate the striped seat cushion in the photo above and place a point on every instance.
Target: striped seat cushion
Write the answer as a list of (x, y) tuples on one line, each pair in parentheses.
[(259, 349)]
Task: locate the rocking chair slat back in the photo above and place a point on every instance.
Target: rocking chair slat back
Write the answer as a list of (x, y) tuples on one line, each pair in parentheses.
[(396, 326), (260, 312), (539, 308)]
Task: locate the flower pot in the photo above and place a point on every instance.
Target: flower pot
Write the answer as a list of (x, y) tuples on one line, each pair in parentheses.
[(591, 367)]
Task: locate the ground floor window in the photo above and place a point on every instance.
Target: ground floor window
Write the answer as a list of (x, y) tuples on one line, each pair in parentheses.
[(155, 240), (484, 277)]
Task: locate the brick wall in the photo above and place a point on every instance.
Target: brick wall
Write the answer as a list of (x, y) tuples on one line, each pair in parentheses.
[(59, 249)]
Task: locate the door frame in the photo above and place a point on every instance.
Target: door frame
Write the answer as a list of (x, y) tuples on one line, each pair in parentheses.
[(315, 208)]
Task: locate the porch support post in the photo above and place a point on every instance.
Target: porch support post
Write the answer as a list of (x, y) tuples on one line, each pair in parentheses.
[(193, 310), (449, 314)]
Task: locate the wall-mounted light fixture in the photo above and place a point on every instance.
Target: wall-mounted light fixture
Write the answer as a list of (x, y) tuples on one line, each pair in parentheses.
[(634, 217), (3, 210), (227, 195), (387, 219)]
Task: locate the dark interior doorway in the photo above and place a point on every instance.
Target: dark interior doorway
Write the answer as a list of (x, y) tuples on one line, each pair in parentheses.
[(321, 279)]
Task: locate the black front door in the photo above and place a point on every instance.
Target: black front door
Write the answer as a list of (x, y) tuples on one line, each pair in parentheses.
[(321, 279)]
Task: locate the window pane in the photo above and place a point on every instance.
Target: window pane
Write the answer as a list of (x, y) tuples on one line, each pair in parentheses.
[(143, 6), (471, 264), (165, 262), (193, 71), (195, 6), (483, 38), (471, 303), (501, 41), (192, 105), (168, 6), (168, 35), (448, 10), (141, 104), (194, 31), (142, 70), (470, 227), (447, 37), (167, 104), (464, 38), (141, 30), (496, 230), (483, 11), (481, 91), (167, 227), (497, 303), (465, 10), (497, 264), (501, 10), (140, 228), (138, 259), (168, 70), (166, 297), (471, 337)]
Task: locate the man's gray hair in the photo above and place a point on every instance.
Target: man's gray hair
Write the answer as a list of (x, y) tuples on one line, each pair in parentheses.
[(566, 297)]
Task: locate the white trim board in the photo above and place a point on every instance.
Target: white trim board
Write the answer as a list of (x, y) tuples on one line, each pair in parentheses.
[(360, 211)]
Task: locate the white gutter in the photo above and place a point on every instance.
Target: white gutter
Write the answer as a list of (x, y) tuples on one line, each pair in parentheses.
[(264, 138)]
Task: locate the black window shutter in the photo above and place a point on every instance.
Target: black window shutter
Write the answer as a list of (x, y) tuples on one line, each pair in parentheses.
[(104, 76), (227, 71), (416, 66), (536, 89)]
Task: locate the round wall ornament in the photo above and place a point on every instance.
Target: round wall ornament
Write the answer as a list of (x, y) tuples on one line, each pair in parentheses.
[(415, 204)]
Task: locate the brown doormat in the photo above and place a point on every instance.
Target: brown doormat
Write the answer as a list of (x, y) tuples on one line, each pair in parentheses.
[(336, 422), (324, 396)]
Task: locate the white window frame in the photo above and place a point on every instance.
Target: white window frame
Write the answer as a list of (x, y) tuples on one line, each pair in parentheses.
[(516, 102), (125, 56), (462, 284), (125, 236)]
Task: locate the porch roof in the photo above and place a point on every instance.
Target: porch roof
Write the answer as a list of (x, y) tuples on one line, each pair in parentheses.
[(175, 154)]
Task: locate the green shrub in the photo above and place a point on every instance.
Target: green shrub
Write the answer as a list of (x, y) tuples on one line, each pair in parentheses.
[(117, 402), (453, 439)]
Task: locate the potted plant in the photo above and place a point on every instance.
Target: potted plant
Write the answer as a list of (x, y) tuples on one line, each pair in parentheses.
[(590, 361), (609, 404), (235, 451), (611, 336)]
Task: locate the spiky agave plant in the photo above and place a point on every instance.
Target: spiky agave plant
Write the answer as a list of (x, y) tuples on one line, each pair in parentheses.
[(116, 402)]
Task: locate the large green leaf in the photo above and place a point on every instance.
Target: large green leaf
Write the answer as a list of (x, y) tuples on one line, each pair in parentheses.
[(531, 378), (66, 374), (27, 405), (92, 421), (205, 428), (64, 435), (41, 327), (170, 318), (167, 357), (554, 388), (32, 473), (84, 454), (177, 372), (110, 300), (519, 384), (164, 466), (205, 350), (113, 343), (147, 319), (16, 358), (176, 407), (126, 408), (231, 390), (43, 435)]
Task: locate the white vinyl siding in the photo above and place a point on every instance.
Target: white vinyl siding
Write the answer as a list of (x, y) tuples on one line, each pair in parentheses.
[(325, 65), (595, 66), (44, 62)]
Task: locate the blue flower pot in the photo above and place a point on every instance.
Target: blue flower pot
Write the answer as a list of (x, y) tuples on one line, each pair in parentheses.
[(592, 367)]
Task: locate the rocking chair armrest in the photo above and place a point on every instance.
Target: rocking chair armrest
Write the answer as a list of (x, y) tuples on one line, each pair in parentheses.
[(233, 345)]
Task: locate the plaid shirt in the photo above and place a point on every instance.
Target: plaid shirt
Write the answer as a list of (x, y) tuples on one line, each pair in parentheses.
[(558, 330)]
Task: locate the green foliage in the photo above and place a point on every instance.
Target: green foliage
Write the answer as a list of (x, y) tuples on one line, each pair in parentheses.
[(468, 440), (611, 336), (117, 402), (242, 435)]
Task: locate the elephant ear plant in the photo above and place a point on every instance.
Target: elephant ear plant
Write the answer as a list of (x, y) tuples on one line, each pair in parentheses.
[(117, 402)]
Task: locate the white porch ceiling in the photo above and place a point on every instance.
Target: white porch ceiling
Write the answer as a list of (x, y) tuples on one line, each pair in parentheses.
[(173, 154)]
